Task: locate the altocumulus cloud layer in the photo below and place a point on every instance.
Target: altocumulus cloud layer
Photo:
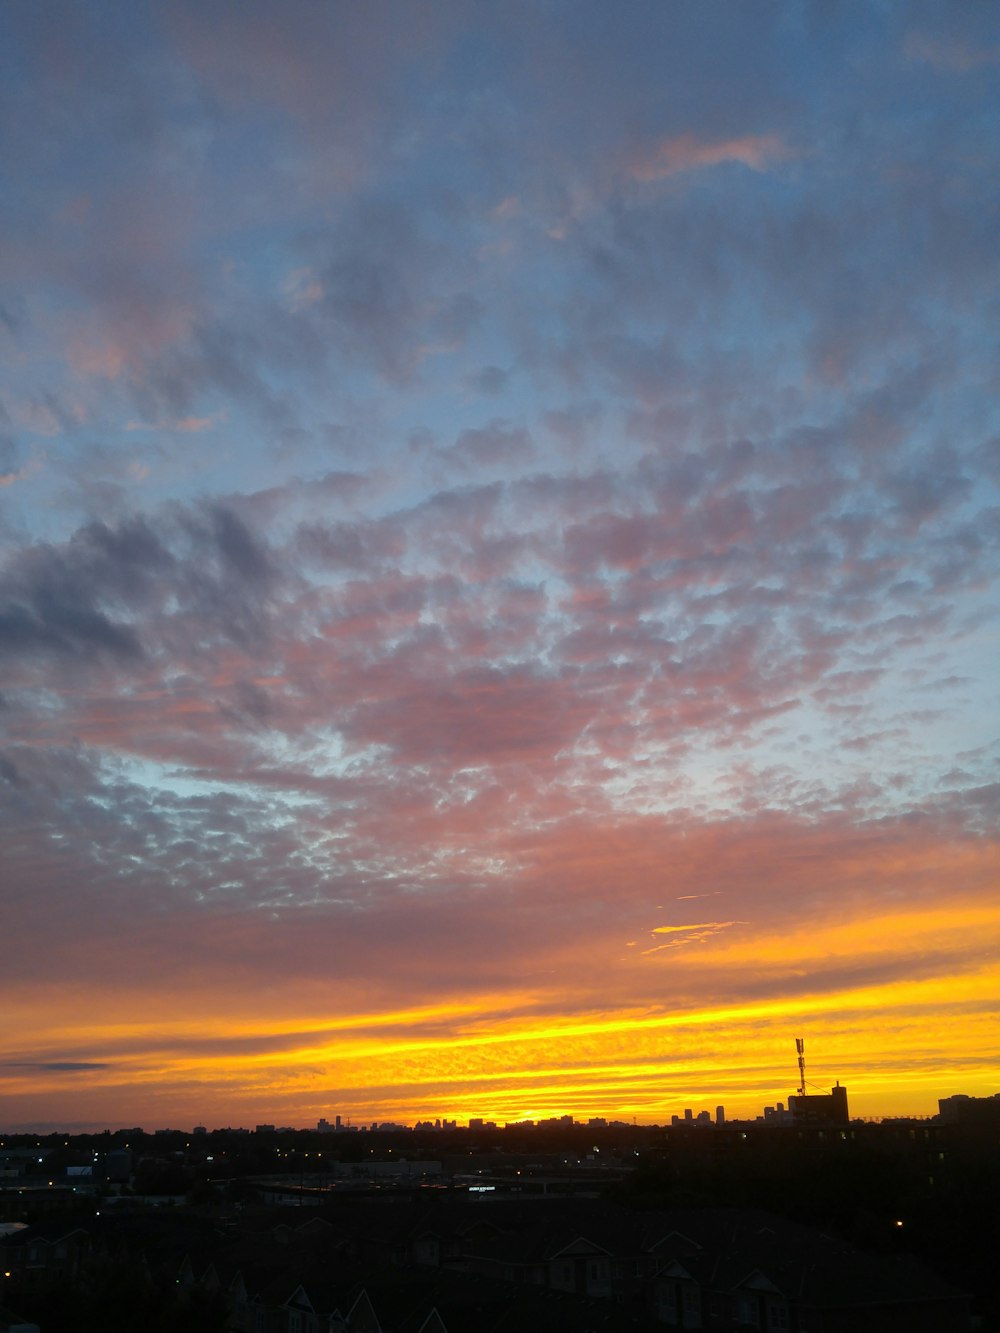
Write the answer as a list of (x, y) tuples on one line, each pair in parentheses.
[(499, 521)]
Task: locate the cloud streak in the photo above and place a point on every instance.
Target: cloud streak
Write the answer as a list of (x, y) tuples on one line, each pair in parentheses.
[(684, 152)]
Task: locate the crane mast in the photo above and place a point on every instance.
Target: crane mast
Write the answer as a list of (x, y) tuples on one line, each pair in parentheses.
[(800, 1047)]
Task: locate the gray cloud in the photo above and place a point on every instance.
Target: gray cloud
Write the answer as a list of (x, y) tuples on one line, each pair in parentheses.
[(55, 1066)]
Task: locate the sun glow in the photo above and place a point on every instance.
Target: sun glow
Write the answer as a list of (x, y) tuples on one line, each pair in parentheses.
[(490, 1054)]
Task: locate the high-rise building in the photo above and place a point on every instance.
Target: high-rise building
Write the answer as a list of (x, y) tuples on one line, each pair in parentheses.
[(820, 1108)]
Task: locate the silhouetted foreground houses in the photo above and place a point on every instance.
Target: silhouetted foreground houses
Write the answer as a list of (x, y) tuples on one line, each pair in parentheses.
[(724, 1270), (459, 1266), (12, 1323), (970, 1111)]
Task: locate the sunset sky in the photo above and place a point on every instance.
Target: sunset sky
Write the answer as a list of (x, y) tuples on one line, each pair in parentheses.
[(499, 558)]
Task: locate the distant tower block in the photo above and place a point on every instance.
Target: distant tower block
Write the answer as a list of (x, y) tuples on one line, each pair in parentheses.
[(811, 1109), (720, 1115), (821, 1108)]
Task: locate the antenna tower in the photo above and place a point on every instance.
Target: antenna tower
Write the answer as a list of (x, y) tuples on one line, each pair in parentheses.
[(800, 1047)]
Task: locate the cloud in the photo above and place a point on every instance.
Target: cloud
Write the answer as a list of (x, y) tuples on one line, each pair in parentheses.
[(184, 425), (569, 486), (686, 152), (489, 380), (949, 53), (108, 591), (390, 291), (56, 1066), (704, 925), (499, 444), (24, 473), (693, 934)]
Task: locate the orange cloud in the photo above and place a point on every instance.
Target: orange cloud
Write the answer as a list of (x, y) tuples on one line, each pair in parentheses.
[(694, 934), (894, 1047), (917, 1025)]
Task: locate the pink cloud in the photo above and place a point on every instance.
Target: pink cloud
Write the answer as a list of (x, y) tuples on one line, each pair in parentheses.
[(686, 152), (22, 473), (951, 54), (125, 332), (189, 425)]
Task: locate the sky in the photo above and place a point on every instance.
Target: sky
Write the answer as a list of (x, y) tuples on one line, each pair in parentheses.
[(499, 552)]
